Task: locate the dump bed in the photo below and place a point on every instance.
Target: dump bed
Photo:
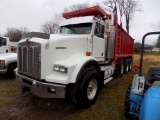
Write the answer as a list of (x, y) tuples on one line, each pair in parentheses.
[(124, 43), (94, 11)]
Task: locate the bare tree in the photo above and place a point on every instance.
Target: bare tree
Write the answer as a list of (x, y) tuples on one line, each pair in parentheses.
[(78, 6), (52, 26), (111, 6), (125, 7), (130, 7), (15, 34)]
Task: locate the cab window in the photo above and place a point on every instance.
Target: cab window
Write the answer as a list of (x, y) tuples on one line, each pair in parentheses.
[(99, 30), (3, 41)]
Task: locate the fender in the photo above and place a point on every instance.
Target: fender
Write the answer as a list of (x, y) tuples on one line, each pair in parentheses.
[(75, 64), (151, 106)]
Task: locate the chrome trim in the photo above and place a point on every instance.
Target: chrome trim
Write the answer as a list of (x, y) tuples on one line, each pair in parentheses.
[(29, 60), (41, 89), (3, 71)]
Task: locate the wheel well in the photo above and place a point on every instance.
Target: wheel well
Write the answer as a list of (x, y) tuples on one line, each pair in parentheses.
[(14, 63), (89, 64), (92, 64)]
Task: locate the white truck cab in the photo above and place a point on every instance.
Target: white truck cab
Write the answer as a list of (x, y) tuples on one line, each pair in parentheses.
[(8, 57), (4, 42), (61, 59), (6, 46), (92, 28)]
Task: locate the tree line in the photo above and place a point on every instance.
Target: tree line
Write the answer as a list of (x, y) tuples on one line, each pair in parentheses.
[(125, 8)]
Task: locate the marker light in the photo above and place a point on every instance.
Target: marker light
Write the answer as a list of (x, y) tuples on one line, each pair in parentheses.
[(2, 63), (136, 67), (108, 36), (88, 53)]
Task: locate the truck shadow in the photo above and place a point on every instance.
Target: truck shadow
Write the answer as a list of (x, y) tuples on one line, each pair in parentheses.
[(2, 76), (46, 108), (5, 77)]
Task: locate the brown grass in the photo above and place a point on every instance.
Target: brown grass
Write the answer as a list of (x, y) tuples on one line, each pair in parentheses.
[(109, 106)]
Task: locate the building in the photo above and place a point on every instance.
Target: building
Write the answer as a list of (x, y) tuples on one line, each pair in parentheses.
[(148, 48), (156, 49)]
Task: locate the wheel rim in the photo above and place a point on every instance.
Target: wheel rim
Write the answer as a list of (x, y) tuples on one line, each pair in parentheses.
[(127, 68), (122, 69), (92, 89), (130, 66)]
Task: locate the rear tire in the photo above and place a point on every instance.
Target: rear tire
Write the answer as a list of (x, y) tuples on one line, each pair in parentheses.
[(127, 103), (120, 71), (88, 88)]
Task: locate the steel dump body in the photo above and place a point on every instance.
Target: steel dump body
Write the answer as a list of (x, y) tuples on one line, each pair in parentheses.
[(123, 42), (86, 12)]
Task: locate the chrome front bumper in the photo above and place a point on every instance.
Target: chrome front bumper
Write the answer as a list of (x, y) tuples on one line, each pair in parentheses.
[(41, 89), (3, 71)]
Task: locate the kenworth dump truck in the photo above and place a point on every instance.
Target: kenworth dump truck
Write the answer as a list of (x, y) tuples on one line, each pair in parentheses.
[(8, 57), (76, 63)]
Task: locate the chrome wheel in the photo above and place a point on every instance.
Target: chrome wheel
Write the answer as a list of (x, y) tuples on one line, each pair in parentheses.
[(122, 69), (92, 89), (130, 65), (127, 68)]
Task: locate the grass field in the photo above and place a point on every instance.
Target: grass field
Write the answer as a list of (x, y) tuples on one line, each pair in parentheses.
[(109, 106)]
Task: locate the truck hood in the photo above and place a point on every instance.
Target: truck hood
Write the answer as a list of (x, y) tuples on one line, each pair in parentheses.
[(7, 56), (62, 47)]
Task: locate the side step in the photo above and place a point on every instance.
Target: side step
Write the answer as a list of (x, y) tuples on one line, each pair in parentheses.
[(107, 80)]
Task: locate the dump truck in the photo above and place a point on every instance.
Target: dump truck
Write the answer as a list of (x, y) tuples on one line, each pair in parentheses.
[(76, 63)]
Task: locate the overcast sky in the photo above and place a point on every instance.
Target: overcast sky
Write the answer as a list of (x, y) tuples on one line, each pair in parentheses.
[(33, 13)]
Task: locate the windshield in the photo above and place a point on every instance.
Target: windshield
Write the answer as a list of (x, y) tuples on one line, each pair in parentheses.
[(84, 28), (2, 41)]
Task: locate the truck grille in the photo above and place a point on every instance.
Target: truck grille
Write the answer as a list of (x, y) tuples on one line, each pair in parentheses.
[(29, 60)]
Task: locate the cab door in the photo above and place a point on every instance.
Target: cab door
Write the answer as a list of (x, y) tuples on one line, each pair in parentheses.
[(98, 50), (3, 45)]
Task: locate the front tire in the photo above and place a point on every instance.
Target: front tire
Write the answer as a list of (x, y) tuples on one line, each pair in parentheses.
[(11, 71), (88, 88), (127, 103)]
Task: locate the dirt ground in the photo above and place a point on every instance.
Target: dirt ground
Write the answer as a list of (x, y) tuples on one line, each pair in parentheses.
[(109, 106)]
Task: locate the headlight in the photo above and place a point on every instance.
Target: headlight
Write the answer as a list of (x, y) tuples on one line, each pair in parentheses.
[(60, 68), (2, 63)]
